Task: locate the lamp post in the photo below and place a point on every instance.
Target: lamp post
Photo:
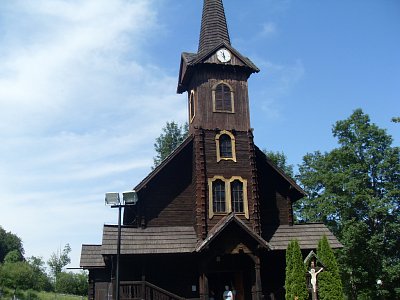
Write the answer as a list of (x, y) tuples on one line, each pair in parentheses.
[(113, 199)]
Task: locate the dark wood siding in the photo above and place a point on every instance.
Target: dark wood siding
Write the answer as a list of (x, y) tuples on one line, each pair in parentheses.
[(228, 168), (169, 198), (275, 204), (205, 116)]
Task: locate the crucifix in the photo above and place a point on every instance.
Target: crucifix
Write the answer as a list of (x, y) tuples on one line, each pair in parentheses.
[(314, 274)]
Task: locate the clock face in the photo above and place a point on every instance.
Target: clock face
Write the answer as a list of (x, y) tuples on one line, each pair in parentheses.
[(223, 55)]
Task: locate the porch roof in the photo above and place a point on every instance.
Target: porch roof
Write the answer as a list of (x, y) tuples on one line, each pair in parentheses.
[(91, 257), (308, 236), (222, 224), (150, 240)]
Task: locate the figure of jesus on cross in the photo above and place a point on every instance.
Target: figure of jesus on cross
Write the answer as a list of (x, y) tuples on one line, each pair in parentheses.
[(314, 274)]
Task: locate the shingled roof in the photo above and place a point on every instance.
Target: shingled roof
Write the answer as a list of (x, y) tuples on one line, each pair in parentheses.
[(214, 29), (91, 257), (308, 236), (151, 240), (222, 224)]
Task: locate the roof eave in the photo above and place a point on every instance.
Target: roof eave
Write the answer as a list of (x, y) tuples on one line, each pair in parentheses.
[(154, 172)]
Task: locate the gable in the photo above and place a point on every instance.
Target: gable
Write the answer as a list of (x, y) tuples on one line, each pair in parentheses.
[(232, 236), (166, 194), (283, 182), (191, 62)]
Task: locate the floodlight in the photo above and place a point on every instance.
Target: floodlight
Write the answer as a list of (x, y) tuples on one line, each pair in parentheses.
[(112, 198), (130, 197)]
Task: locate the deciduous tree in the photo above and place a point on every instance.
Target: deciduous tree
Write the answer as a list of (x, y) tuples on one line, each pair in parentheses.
[(9, 242), (173, 135), (355, 190), (17, 275), (58, 261), (280, 160), (72, 283)]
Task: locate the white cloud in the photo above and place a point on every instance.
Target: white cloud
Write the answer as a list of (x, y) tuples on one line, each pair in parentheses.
[(80, 108), (279, 82), (268, 29)]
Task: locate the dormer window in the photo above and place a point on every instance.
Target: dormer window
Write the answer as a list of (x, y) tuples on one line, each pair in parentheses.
[(222, 94), (225, 145)]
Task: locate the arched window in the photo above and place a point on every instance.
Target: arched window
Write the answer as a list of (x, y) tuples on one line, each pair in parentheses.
[(223, 98), (218, 196), (192, 110), (227, 195), (225, 144), (237, 196)]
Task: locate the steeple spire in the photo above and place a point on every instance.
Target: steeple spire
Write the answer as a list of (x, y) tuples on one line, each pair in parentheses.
[(213, 26)]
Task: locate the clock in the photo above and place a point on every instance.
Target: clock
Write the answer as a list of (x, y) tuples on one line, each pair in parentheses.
[(223, 55)]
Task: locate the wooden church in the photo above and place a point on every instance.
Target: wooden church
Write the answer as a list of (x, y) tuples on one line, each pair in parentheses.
[(216, 212)]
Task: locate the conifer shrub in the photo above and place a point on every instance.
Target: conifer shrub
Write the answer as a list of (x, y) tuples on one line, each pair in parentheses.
[(329, 282), (295, 283)]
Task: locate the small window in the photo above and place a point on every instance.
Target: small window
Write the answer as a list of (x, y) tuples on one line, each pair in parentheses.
[(191, 106), (218, 190), (237, 196), (222, 98), (225, 145)]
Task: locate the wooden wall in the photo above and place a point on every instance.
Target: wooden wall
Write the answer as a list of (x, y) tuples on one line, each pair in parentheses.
[(228, 168), (202, 83), (275, 204), (168, 198)]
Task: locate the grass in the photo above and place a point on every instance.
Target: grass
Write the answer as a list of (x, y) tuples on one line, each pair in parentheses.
[(7, 294)]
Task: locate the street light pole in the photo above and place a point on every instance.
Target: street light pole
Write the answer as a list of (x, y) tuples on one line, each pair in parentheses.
[(129, 198), (118, 251)]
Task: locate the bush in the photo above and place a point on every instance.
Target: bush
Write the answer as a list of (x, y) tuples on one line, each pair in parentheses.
[(295, 283), (329, 283), (71, 283)]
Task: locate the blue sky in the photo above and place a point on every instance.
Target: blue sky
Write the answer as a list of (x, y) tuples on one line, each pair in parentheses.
[(86, 86)]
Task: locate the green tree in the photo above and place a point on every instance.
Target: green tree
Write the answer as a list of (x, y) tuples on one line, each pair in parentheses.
[(17, 275), (295, 282), (329, 282), (280, 160), (173, 135), (42, 281), (288, 271), (9, 242), (13, 257), (72, 283), (58, 261), (396, 119), (355, 190)]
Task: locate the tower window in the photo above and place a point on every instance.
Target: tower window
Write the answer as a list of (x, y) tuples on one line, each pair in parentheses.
[(222, 98), (218, 190), (225, 144), (237, 196), (191, 106)]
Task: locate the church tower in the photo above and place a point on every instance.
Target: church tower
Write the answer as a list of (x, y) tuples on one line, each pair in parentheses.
[(215, 79)]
